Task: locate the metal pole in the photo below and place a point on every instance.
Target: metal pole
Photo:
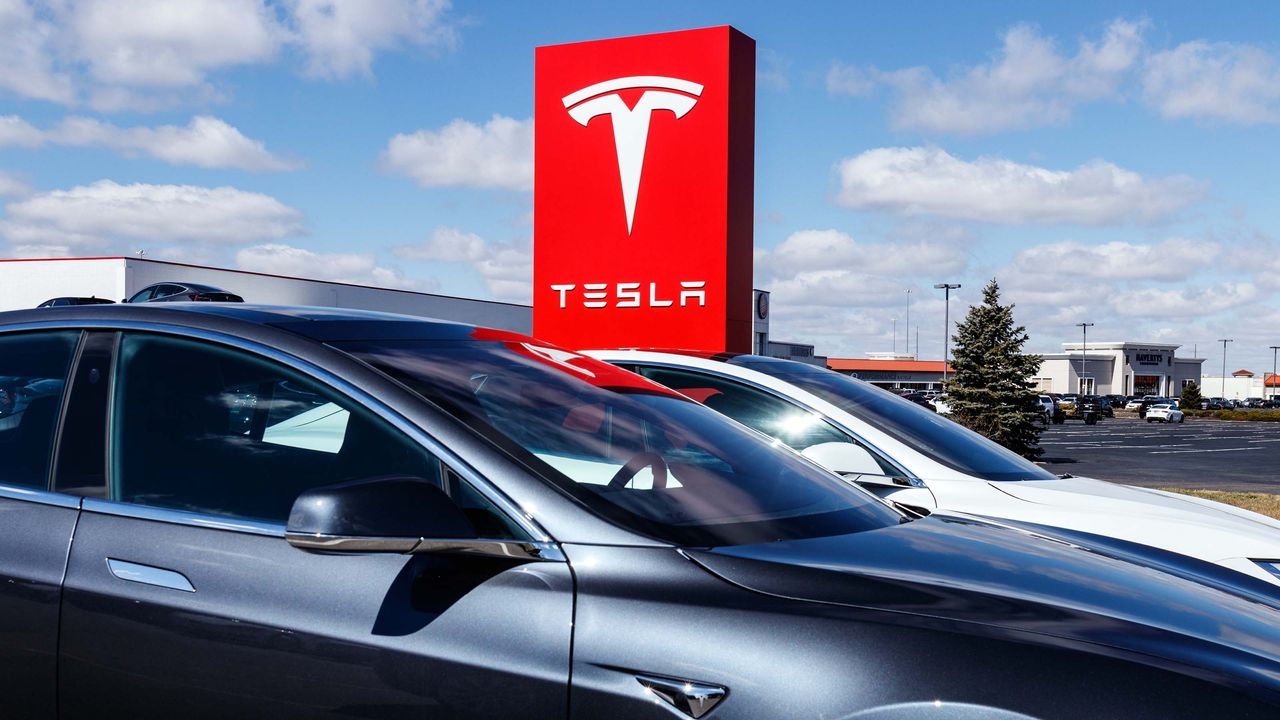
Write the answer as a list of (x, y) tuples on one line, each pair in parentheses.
[(1084, 354), (946, 324), (1275, 381), (1224, 366), (907, 326)]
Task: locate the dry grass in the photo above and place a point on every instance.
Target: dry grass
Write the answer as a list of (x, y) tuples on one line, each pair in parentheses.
[(1264, 503)]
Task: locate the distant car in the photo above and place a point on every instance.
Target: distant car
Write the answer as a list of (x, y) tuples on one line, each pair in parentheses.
[(941, 406), (1048, 406), (1255, 402), (183, 292), (1133, 404), (1165, 413), (68, 301)]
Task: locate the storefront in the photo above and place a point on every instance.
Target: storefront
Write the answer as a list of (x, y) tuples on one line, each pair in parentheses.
[(1118, 368)]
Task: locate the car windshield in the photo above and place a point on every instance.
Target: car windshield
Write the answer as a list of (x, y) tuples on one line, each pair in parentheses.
[(928, 433), (633, 451)]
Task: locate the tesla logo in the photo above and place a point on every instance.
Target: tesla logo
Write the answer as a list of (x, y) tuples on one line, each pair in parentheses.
[(627, 295), (631, 125)]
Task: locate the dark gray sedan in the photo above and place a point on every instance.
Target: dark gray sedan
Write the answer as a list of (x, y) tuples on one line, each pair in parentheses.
[(240, 511)]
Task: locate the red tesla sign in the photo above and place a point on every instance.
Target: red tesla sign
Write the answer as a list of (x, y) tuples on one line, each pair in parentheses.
[(643, 191)]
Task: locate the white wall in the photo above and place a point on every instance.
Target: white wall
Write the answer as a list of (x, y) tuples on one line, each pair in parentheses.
[(27, 283), (1237, 388)]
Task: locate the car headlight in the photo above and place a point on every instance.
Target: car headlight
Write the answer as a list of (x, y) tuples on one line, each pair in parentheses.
[(1271, 566)]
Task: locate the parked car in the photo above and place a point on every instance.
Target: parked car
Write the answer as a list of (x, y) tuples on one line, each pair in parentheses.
[(1255, 403), (65, 301), (489, 526), (1048, 407), (182, 292), (926, 463), (1133, 405), (1165, 413)]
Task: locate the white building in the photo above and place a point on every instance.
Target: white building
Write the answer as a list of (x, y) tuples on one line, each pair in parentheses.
[(1118, 368), (27, 283), (1242, 384)]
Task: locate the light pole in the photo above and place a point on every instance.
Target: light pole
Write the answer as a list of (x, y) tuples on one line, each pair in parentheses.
[(908, 324), (1274, 348), (1224, 366), (1084, 353), (946, 325)]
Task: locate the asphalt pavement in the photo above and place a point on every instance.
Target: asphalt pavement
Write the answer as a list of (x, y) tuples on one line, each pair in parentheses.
[(1200, 453)]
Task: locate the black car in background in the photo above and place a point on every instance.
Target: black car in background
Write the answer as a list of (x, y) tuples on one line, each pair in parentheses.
[(236, 511), (67, 301), (182, 292)]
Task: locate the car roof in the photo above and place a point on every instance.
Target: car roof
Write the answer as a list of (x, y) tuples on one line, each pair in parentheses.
[(317, 323)]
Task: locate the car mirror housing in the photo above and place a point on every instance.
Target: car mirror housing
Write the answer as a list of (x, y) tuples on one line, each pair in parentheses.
[(382, 514), (396, 514), (843, 457)]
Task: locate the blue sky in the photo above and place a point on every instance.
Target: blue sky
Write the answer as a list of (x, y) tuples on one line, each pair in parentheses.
[(1112, 163)]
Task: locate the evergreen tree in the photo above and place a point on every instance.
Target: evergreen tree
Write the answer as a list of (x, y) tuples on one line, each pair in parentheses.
[(1190, 398), (990, 389)]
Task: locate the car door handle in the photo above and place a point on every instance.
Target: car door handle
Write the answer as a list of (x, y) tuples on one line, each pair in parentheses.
[(148, 575)]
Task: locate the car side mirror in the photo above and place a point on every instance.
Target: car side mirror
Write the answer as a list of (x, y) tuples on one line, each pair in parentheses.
[(396, 514), (383, 514), (844, 458)]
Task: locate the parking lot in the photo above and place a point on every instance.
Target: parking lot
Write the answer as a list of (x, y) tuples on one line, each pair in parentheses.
[(1201, 453)]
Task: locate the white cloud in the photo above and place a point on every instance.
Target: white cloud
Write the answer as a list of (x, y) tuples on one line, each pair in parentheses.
[(498, 154), (356, 268), (1229, 82), (340, 37), (39, 251), (772, 69), (828, 251), (929, 181), (845, 79), (446, 244), (11, 186), (1183, 303), (1027, 83), (26, 54), (105, 210), (507, 268), (205, 142), (146, 55), (1172, 259)]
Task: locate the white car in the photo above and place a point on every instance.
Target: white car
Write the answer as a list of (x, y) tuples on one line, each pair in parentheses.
[(1134, 405), (1047, 406), (1165, 413), (923, 462)]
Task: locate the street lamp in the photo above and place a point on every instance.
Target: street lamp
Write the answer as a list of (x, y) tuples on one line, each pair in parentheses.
[(1274, 348), (946, 325), (1084, 354), (1224, 367)]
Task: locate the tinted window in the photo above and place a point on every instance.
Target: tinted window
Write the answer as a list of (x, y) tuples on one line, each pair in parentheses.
[(33, 373), (778, 418), (143, 295), (211, 430), (934, 436), (633, 451)]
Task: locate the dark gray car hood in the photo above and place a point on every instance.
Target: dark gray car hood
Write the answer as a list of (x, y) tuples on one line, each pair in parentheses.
[(1155, 607)]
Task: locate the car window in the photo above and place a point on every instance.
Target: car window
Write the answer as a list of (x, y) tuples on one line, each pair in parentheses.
[(143, 295), (207, 429), (33, 377), (922, 430), (796, 426), (635, 452)]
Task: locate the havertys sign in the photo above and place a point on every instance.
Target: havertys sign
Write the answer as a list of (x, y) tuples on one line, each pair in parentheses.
[(643, 191)]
